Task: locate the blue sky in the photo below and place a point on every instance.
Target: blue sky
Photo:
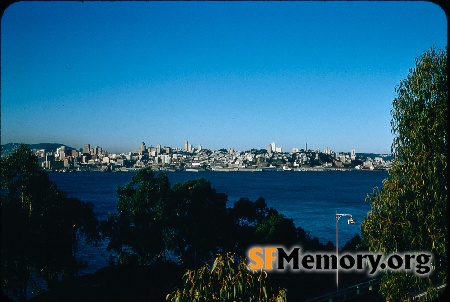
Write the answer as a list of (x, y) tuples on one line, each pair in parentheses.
[(219, 74)]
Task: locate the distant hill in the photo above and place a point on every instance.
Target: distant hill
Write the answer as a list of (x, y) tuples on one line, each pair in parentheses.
[(48, 147), (373, 155)]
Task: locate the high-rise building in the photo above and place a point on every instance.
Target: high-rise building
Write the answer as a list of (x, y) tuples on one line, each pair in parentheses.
[(97, 150), (269, 148), (353, 154), (186, 146), (87, 149), (142, 147), (158, 149)]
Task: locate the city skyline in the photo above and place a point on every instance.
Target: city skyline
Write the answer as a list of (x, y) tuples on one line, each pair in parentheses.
[(219, 74), (187, 146)]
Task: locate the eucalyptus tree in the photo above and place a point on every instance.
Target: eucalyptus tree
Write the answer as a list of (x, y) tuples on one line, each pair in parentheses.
[(409, 213), (228, 279)]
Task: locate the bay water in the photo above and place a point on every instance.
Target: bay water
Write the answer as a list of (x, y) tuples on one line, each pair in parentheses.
[(309, 198)]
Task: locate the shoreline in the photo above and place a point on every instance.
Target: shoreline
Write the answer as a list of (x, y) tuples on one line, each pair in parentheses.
[(193, 170)]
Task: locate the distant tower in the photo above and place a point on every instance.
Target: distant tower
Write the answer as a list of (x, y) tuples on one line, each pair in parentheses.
[(274, 149), (186, 146), (142, 148), (158, 149), (306, 147), (97, 150), (87, 149), (269, 148), (353, 154)]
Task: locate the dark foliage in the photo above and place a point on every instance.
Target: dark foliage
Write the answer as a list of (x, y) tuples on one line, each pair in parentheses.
[(189, 223), (40, 226)]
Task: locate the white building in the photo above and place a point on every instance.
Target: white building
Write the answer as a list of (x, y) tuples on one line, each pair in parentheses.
[(165, 159), (274, 147)]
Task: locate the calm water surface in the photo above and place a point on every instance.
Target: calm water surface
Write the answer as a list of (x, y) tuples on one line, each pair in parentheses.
[(310, 198)]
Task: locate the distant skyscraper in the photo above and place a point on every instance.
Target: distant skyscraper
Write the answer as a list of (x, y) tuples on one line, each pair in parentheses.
[(158, 149), (269, 148), (142, 147), (274, 149), (97, 150), (353, 154), (186, 146), (86, 149)]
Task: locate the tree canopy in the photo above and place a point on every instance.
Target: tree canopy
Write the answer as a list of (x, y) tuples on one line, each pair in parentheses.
[(410, 212), (190, 223), (40, 226)]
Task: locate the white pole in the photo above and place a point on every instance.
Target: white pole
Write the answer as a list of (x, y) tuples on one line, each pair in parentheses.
[(337, 253)]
